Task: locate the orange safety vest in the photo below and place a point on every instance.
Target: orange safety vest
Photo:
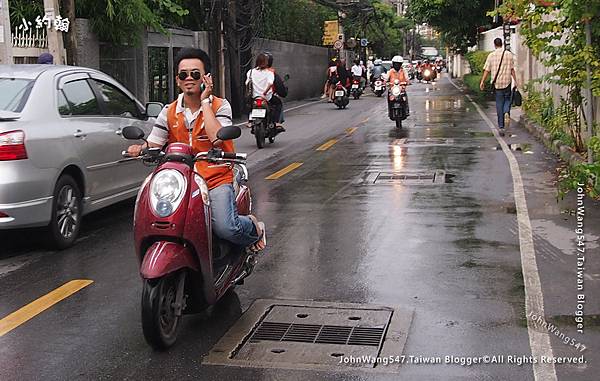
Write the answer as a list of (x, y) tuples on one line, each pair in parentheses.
[(214, 174), (393, 75)]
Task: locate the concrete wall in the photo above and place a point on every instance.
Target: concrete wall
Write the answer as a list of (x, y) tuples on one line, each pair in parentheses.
[(528, 68), (305, 64)]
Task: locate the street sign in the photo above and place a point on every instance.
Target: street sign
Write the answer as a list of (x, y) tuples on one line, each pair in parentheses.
[(351, 43), (338, 44), (330, 32), (364, 42)]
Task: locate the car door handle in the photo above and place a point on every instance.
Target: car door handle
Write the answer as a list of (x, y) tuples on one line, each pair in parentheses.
[(79, 134), (119, 132)]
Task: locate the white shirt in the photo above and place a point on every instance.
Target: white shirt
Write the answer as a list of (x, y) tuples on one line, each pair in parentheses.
[(261, 81), (357, 70)]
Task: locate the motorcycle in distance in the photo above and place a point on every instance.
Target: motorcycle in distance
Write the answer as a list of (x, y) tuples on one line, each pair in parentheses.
[(263, 127), (356, 90), (184, 267), (340, 96), (419, 74), (398, 103), (428, 75), (378, 86)]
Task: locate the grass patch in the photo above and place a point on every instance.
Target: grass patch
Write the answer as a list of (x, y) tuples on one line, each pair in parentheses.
[(472, 82)]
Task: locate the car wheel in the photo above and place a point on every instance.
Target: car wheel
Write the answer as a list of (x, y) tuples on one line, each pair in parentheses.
[(65, 221)]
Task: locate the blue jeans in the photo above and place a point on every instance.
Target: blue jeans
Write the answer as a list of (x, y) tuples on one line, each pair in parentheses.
[(503, 100), (226, 222)]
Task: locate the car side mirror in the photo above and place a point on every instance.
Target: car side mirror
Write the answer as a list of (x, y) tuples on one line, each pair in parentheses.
[(286, 77), (133, 133), (153, 109), (229, 133)]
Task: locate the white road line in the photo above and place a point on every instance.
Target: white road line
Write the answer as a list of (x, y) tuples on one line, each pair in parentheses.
[(539, 341)]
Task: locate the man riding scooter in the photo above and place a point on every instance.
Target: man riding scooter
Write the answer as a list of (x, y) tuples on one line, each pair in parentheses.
[(195, 118), (397, 73)]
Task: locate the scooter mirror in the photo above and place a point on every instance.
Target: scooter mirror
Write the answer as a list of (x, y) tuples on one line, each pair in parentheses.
[(133, 133), (228, 133), (286, 77)]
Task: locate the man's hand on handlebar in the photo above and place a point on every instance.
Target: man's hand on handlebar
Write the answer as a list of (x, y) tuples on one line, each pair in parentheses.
[(135, 150)]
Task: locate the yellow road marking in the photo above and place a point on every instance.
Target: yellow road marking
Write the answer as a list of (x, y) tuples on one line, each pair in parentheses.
[(327, 145), (366, 120), (38, 306), (350, 131), (284, 171)]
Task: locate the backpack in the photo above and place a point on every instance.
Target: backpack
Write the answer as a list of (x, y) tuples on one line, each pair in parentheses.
[(249, 93), (280, 87)]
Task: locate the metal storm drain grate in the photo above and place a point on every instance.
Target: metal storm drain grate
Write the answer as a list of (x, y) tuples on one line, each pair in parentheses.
[(423, 141), (314, 335), (410, 178), (318, 334)]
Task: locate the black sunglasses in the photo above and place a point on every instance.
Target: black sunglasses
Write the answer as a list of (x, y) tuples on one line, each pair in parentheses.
[(184, 74)]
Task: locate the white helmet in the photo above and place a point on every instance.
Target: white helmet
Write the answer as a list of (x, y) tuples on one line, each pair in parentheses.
[(398, 59), (378, 62)]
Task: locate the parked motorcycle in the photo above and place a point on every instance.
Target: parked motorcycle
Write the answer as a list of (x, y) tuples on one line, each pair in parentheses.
[(356, 90), (263, 127), (398, 103), (378, 87), (340, 96), (184, 267)]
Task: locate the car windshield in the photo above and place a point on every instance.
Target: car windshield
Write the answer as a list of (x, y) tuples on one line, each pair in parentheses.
[(14, 93)]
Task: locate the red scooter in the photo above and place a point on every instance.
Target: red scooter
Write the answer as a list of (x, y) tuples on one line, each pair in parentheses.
[(184, 267)]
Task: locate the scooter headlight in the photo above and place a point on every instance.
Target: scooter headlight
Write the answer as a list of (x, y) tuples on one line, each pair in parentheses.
[(396, 91), (166, 192), (427, 73)]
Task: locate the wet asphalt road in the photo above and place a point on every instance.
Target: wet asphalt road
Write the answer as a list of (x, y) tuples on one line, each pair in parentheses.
[(450, 251)]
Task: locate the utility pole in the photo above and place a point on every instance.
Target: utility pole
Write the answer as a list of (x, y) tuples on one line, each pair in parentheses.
[(6, 57), (55, 42)]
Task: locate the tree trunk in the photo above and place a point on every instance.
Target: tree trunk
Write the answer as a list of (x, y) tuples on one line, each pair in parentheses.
[(70, 38)]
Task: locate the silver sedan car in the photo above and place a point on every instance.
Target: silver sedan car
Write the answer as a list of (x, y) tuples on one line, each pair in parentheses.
[(61, 144)]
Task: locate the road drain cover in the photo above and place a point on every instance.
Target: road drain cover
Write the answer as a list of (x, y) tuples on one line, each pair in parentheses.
[(409, 178), (314, 335), (423, 141)]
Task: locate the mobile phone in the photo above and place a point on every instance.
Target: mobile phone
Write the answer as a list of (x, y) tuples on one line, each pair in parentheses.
[(203, 86)]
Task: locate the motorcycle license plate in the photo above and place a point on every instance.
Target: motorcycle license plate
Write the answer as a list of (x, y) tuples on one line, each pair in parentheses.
[(355, 86), (339, 93), (258, 113), (377, 88)]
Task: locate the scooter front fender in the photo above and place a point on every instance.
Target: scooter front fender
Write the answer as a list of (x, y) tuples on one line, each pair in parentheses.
[(165, 257)]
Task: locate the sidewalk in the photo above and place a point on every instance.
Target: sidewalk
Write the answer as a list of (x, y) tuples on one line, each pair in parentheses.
[(554, 223)]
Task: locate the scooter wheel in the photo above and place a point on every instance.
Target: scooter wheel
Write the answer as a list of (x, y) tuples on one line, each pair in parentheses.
[(398, 124), (159, 321)]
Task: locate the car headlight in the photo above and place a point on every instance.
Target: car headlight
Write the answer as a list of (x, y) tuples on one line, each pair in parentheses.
[(166, 192), (396, 91)]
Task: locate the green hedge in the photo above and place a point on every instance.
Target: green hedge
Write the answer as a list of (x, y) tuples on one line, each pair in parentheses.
[(472, 81), (477, 60)]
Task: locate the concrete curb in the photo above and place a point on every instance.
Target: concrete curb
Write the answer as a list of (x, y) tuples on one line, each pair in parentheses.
[(557, 147)]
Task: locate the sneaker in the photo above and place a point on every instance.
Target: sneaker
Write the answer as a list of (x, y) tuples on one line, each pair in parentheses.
[(279, 128), (323, 96), (502, 132)]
